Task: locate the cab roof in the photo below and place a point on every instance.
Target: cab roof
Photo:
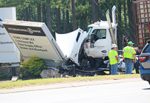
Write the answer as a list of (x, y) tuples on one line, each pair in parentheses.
[(101, 24)]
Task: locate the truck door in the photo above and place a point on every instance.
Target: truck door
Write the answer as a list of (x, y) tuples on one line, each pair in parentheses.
[(100, 43)]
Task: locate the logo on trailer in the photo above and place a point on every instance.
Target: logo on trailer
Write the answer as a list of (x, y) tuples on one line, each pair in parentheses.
[(30, 30)]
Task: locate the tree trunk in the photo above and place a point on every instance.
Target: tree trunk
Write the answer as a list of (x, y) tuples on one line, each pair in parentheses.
[(27, 16), (125, 14), (94, 10), (119, 34), (43, 12), (39, 12), (48, 16), (67, 21), (63, 21), (131, 18), (74, 21), (58, 20)]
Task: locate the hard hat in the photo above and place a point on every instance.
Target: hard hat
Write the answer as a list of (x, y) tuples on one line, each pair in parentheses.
[(130, 43), (114, 46)]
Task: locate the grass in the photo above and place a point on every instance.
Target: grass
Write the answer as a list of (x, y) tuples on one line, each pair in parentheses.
[(23, 83)]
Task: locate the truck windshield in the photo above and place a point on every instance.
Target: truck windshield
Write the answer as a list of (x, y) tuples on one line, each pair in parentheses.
[(99, 33)]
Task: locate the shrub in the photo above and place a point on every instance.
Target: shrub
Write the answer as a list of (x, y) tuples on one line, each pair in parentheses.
[(32, 67), (5, 73)]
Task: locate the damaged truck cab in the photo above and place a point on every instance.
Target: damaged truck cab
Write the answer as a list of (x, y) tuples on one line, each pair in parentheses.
[(101, 35)]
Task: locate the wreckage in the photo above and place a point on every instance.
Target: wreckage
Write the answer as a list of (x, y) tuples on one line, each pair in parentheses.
[(77, 52)]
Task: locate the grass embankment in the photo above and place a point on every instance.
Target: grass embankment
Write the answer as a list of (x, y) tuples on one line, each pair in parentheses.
[(22, 83)]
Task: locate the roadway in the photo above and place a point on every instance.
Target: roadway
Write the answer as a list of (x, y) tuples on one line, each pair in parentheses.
[(111, 91)]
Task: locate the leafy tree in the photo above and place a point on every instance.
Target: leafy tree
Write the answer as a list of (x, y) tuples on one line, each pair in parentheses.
[(66, 15)]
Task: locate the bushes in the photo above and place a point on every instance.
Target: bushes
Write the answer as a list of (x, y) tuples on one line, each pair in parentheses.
[(5, 73), (32, 67)]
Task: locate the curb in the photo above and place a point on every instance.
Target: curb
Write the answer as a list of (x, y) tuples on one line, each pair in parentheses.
[(66, 85)]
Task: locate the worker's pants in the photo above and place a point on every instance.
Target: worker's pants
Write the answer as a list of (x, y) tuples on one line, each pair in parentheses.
[(114, 69), (129, 65)]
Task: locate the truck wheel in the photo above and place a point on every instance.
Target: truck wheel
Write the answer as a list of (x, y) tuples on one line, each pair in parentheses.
[(149, 82)]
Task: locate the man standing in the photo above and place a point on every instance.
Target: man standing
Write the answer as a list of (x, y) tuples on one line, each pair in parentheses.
[(129, 57), (113, 59)]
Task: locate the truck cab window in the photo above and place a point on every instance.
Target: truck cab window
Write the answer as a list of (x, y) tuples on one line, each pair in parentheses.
[(99, 34)]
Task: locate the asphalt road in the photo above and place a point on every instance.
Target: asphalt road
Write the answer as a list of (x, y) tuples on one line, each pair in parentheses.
[(116, 91)]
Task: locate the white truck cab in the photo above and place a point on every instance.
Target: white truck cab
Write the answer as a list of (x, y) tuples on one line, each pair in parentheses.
[(99, 40), (100, 37)]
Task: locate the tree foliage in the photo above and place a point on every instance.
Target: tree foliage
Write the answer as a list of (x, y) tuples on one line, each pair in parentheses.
[(66, 15)]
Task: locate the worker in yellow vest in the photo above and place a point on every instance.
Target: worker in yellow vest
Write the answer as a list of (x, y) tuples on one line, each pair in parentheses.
[(129, 55), (113, 59)]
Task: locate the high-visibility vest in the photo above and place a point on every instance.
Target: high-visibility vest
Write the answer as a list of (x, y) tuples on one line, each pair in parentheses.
[(112, 57), (129, 52)]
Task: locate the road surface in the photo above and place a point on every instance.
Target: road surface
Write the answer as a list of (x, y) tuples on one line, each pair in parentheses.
[(116, 91)]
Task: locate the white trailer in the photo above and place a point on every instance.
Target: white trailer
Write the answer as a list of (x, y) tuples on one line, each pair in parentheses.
[(9, 53), (34, 39)]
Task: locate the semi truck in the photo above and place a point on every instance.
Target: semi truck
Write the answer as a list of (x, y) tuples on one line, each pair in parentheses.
[(90, 50), (77, 52)]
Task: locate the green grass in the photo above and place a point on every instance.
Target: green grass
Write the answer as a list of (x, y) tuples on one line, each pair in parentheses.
[(23, 83)]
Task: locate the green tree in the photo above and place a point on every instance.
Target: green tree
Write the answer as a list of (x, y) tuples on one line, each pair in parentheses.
[(66, 15)]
